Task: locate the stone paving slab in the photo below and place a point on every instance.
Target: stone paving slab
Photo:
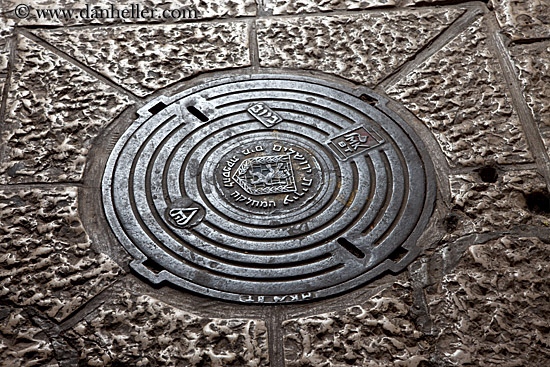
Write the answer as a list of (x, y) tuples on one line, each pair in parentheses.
[(2, 86), (525, 19), (46, 260), (143, 331), (461, 96), (381, 332), (546, 138), (83, 11), (145, 59), (488, 309), (423, 2), (364, 48), (491, 309), (282, 7), (532, 62), (54, 110), (6, 31), (23, 343), (278, 7), (485, 294), (498, 205)]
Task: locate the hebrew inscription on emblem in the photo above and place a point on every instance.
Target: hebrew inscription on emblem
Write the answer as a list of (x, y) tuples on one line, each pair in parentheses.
[(270, 174), (354, 142), (264, 114), (266, 175)]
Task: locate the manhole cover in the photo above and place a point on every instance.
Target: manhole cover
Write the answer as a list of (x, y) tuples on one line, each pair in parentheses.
[(268, 188)]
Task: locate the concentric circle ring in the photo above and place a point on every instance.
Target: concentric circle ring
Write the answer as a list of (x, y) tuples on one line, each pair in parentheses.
[(268, 189)]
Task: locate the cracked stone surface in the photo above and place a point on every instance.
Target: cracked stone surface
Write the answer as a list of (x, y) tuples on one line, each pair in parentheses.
[(487, 206), (460, 94), (143, 331), (533, 65), (525, 19), (145, 59), (381, 332), (364, 48), (54, 110), (22, 343), (45, 256), (491, 309), (206, 9), (277, 7)]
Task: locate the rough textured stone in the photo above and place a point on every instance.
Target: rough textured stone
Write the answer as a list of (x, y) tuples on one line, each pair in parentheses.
[(364, 47), (381, 332), (277, 7), (54, 110), (145, 59), (546, 139), (142, 331), (492, 310), (45, 255), (421, 2), (205, 9), (23, 344), (2, 85), (6, 31), (461, 96), (533, 65), (523, 19), (487, 206)]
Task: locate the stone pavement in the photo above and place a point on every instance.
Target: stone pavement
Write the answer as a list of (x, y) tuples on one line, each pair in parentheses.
[(474, 80)]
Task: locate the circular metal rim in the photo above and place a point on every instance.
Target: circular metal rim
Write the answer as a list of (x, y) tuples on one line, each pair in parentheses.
[(386, 265)]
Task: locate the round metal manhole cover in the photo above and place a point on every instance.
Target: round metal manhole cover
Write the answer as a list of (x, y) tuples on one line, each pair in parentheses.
[(268, 188)]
